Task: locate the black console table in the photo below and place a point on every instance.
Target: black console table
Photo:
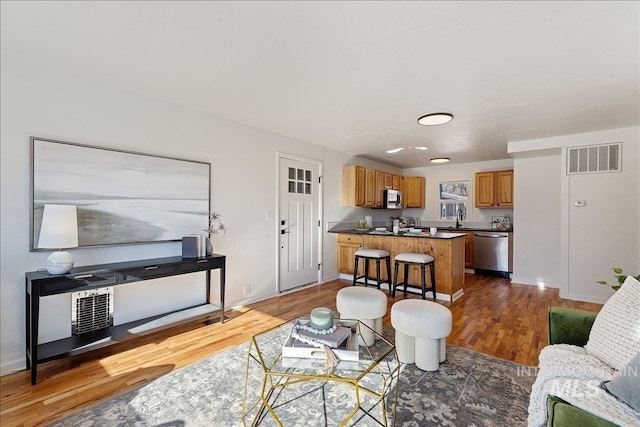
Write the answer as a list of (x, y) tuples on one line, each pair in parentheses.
[(41, 283)]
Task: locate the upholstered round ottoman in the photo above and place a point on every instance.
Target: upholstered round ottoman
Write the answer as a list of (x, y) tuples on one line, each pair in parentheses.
[(368, 305), (421, 331)]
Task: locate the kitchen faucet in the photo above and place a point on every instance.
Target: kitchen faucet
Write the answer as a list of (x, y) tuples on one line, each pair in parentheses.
[(459, 218)]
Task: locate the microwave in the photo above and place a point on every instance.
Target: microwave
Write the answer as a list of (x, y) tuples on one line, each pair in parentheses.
[(392, 199)]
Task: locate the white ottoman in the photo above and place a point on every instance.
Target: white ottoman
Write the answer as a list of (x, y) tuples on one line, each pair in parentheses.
[(368, 305), (421, 331)]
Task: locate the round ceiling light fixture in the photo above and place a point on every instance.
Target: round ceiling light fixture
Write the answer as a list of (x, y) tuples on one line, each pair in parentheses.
[(440, 160), (435, 119)]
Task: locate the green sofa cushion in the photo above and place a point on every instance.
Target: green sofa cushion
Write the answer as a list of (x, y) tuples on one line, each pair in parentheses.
[(570, 326), (563, 414)]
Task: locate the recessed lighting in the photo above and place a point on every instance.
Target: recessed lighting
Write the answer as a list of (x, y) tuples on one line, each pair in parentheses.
[(395, 150), (440, 160), (435, 119), (420, 148)]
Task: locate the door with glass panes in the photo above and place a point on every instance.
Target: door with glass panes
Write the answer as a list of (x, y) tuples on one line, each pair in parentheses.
[(299, 225)]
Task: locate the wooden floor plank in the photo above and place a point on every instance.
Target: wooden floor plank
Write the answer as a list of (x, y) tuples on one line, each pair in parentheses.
[(494, 317)]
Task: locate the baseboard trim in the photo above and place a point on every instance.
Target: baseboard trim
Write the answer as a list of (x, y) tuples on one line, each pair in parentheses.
[(584, 298), (17, 362)]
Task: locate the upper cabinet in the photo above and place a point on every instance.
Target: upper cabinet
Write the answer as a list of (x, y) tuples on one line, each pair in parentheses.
[(494, 189), (353, 186), (379, 190), (392, 181), (365, 187), (369, 187), (397, 182), (362, 187), (414, 191)]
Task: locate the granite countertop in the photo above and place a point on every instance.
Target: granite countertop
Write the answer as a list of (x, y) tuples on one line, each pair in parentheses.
[(439, 235), (510, 230)]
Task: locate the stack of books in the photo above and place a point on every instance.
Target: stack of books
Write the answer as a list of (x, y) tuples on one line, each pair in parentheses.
[(343, 342), (337, 339)]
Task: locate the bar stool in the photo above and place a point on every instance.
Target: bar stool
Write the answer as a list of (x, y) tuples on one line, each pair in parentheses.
[(422, 260), (368, 255)]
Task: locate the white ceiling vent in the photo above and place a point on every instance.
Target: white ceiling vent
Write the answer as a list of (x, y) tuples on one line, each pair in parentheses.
[(594, 159)]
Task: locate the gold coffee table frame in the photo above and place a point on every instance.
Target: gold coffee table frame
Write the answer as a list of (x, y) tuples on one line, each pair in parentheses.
[(375, 375)]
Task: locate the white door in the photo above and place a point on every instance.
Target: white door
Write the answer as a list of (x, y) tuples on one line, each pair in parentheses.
[(299, 227)]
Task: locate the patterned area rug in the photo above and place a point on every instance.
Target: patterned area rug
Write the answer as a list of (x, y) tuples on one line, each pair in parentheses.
[(469, 389)]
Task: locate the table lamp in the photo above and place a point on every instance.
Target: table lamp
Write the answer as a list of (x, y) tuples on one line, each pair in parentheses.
[(59, 230)]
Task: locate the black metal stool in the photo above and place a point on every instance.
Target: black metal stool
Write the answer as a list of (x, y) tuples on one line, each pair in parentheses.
[(417, 259), (367, 255)]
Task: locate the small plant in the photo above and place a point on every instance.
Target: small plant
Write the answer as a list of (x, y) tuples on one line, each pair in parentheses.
[(620, 276), (215, 224)]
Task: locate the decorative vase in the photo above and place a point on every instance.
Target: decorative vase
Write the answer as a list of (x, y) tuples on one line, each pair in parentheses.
[(208, 246)]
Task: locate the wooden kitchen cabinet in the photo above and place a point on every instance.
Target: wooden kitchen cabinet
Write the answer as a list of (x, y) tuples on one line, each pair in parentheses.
[(353, 186), (362, 186), (396, 182), (379, 190), (369, 187), (414, 191), (494, 189), (504, 188), (468, 249), (348, 244), (365, 187), (388, 180)]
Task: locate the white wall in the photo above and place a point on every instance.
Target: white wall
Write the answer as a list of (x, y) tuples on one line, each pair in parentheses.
[(457, 172), (536, 248), (591, 239), (37, 101)]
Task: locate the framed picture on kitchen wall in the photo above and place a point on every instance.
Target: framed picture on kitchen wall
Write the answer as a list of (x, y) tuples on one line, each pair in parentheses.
[(122, 197)]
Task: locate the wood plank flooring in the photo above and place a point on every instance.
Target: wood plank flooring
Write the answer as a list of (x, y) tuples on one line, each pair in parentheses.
[(493, 317)]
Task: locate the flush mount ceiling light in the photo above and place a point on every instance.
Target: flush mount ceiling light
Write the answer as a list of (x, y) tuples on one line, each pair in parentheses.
[(395, 150), (435, 119), (440, 160)]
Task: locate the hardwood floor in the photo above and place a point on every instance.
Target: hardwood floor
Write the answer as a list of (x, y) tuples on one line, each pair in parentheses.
[(493, 317)]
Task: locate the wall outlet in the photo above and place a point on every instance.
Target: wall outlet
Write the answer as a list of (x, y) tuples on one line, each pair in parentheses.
[(246, 290)]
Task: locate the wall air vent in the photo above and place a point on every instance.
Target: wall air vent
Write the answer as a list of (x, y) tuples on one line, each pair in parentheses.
[(91, 310), (594, 159)]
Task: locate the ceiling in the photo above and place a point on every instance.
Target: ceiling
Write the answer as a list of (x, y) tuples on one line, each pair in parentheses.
[(355, 76)]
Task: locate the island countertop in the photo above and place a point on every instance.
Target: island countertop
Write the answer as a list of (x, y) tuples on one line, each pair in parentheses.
[(438, 235)]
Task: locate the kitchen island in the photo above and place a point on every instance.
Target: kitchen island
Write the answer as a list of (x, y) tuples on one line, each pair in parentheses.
[(446, 248)]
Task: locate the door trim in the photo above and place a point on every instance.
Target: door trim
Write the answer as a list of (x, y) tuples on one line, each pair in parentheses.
[(283, 155)]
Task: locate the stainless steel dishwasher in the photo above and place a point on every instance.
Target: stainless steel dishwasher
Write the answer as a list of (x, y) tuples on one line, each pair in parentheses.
[(492, 251)]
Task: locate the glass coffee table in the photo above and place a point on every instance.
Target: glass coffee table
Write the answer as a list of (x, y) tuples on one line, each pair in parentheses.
[(306, 391)]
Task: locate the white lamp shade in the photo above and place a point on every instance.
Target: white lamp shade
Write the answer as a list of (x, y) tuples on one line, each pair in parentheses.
[(59, 227)]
